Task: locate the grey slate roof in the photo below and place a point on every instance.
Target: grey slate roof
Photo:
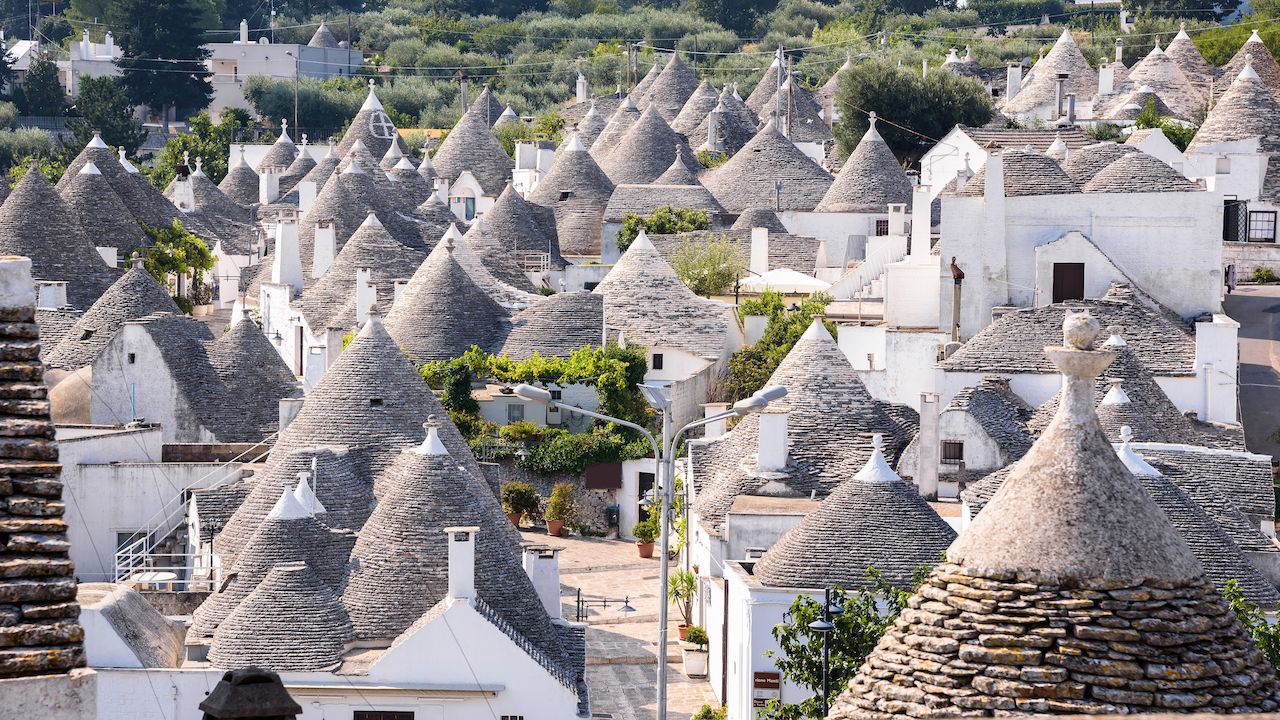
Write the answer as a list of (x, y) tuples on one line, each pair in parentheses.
[(413, 187), (637, 93), (498, 259), (400, 561), (695, 109), (590, 126), (1264, 64), (330, 301), (1243, 478), (1247, 109), (297, 170), (323, 38), (556, 326), (869, 180), (1019, 138), (1159, 72), (1083, 163), (872, 520), (523, 226), (577, 191), (1184, 54), (319, 175), (1139, 173), (1000, 411), (747, 179), (831, 419), (765, 87), (373, 128), (678, 174), (1117, 411), (736, 124), (154, 640), (434, 219), (138, 194), (622, 119), (646, 199), (291, 622), (758, 217), (1013, 344), (97, 207), (472, 146), (342, 485), (347, 199), (1131, 105), (442, 312), (646, 151), (1025, 174), (37, 223), (805, 113), (134, 295), (54, 324), (281, 154), (486, 106), (671, 89), (654, 308), (254, 377), (241, 183), (1040, 84), (215, 506), (371, 399)]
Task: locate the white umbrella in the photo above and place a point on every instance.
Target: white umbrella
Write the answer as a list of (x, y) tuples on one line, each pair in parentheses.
[(784, 280)]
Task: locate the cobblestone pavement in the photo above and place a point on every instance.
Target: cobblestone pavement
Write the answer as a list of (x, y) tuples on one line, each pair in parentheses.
[(621, 662)]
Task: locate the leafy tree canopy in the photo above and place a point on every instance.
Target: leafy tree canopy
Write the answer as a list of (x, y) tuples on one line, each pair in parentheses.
[(45, 96), (751, 367), (666, 220), (104, 105), (708, 267), (163, 59), (206, 140)]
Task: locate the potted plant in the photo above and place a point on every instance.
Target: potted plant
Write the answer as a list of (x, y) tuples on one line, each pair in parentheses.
[(518, 498), (681, 588), (645, 532), (559, 507), (201, 296), (694, 652)]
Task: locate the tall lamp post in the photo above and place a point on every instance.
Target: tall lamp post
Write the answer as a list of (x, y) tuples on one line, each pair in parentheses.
[(826, 628), (296, 129), (664, 455)]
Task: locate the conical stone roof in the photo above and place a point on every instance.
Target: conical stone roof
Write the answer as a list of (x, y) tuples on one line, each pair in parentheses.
[(637, 93), (400, 562), (37, 223), (759, 217), (1247, 109), (135, 191), (472, 146), (347, 199), (1082, 164), (678, 174), (392, 158), (695, 110), (556, 326), (427, 170), (241, 183), (1117, 411), (611, 136), (96, 205), (795, 107), (577, 191), (373, 127), (290, 622), (442, 312), (747, 179), (873, 520), (297, 170), (1254, 52), (434, 219), (671, 89), (412, 187), (736, 125), (523, 226), (1184, 54), (319, 175), (1139, 173), (1072, 537), (323, 38), (371, 398), (487, 107), (1167, 81), (766, 87), (1131, 106), (497, 256), (250, 367), (1041, 84), (136, 294), (589, 127), (869, 180), (1026, 173), (282, 152)]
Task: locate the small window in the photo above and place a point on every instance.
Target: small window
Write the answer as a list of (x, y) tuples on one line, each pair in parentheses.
[(1223, 166), (557, 394), (1262, 226), (512, 717), (952, 452), (882, 228), (589, 286), (132, 358), (382, 715), (657, 361), (88, 333), (565, 195), (375, 402), (515, 412)]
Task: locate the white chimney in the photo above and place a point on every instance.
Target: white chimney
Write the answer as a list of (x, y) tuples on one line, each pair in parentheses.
[(184, 196), (287, 267), (930, 447), (713, 128), (86, 48), (713, 430), (1119, 50), (994, 186), (398, 287), (921, 220), (332, 345), (442, 190), (1013, 80), (1106, 79), (289, 408), (462, 563), (306, 195), (326, 248), (898, 219), (542, 565), (366, 294), (581, 92), (269, 185), (772, 451), (51, 294), (244, 32), (759, 250), (110, 44)]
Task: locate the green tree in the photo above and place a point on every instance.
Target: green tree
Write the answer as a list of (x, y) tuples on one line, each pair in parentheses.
[(928, 107), (45, 96), (104, 105), (1179, 133), (206, 140), (666, 220), (867, 613), (163, 59), (708, 267), (1254, 620), (457, 396), (750, 367), (175, 251)]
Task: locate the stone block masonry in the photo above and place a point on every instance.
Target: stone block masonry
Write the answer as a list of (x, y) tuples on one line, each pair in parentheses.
[(40, 633)]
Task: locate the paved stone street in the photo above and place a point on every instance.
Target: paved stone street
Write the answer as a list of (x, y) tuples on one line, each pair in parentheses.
[(1257, 309), (621, 663)]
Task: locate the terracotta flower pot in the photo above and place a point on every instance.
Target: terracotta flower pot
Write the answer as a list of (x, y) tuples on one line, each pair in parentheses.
[(684, 631), (646, 549), (554, 527), (515, 518)]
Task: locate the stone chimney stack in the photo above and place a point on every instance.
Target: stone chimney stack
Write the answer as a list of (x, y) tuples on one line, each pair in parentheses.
[(1013, 80), (110, 44), (86, 47), (1106, 79), (398, 287), (713, 430), (581, 92), (51, 294), (771, 456), (542, 565), (306, 195), (930, 447), (269, 185), (898, 219), (326, 248), (366, 294), (287, 268), (921, 223), (1119, 50), (462, 563), (244, 32), (1060, 96)]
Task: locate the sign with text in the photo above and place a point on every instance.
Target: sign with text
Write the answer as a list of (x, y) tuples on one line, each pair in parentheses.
[(765, 686)]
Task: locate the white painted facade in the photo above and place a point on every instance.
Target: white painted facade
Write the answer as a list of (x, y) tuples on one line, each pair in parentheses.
[(131, 379)]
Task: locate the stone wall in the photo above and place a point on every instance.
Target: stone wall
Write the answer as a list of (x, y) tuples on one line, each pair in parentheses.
[(591, 504)]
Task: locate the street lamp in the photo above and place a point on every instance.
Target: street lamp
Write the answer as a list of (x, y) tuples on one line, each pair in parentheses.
[(296, 129), (824, 627), (659, 399)]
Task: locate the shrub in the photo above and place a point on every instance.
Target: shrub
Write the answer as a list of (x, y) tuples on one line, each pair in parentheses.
[(706, 712), (666, 220), (560, 506), (1266, 635), (645, 531), (681, 589), (18, 147), (520, 431), (711, 159), (708, 267), (519, 498), (697, 635), (1263, 274)]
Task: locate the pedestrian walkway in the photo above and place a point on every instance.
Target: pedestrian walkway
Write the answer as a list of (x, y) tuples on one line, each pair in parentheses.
[(1257, 309), (621, 646)]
